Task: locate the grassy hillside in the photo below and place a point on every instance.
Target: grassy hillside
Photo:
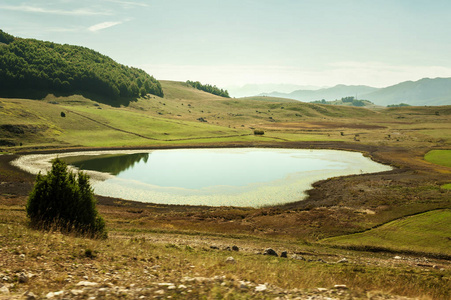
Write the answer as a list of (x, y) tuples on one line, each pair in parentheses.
[(34, 123), (186, 114), (428, 232)]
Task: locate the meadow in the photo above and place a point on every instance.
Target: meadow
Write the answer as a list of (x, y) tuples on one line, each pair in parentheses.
[(392, 227)]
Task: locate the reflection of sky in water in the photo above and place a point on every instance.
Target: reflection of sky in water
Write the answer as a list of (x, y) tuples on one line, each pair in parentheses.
[(239, 177), (200, 169)]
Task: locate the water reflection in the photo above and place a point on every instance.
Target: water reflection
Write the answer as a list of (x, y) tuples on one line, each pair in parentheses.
[(112, 164)]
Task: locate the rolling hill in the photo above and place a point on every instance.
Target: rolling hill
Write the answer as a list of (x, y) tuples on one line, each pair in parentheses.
[(31, 68)]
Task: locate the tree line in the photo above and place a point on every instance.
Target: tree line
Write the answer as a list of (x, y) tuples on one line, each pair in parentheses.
[(47, 66), (351, 100), (212, 89)]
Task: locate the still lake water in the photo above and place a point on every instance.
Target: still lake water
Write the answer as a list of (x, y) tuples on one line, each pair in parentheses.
[(216, 177)]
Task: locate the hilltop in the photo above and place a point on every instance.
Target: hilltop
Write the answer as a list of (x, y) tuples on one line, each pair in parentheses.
[(31, 68)]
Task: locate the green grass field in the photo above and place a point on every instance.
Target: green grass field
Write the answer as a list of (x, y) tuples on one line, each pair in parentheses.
[(429, 232), (174, 119), (439, 157)]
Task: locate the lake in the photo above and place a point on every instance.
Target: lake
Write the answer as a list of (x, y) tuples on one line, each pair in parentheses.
[(215, 177)]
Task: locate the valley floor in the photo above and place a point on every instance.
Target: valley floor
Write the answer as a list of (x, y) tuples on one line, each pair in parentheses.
[(375, 236), (183, 251)]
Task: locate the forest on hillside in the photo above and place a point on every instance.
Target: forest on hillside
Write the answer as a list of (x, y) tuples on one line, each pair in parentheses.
[(33, 65), (212, 89)]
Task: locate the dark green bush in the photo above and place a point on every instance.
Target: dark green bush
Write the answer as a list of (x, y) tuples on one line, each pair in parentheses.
[(259, 132), (64, 200)]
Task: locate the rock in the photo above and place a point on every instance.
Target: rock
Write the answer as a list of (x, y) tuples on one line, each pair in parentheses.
[(230, 260), (29, 296), (76, 292), (261, 288), (160, 292), (270, 251), (4, 290), (297, 257), (397, 257), (168, 285), (341, 286), (87, 283), (235, 248), (243, 284), (22, 256), (54, 294), (342, 261), (284, 254), (23, 278)]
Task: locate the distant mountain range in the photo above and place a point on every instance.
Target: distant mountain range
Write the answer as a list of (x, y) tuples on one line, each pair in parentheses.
[(256, 89), (425, 91)]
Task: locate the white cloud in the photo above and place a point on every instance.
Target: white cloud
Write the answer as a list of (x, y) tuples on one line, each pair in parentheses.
[(103, 25), (129, 3), (35, 9)]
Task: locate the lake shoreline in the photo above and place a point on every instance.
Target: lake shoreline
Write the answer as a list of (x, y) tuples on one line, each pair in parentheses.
[(341, 204), (244, 177), (31, 165), (382, 154)]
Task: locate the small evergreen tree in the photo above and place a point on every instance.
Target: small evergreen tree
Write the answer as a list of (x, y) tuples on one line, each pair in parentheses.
[(65, 200)]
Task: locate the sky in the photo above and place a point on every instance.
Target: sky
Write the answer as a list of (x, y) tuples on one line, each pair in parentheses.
[(237, 42)]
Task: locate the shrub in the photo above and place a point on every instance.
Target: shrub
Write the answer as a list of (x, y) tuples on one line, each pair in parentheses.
[(65, 200), (259, 132)]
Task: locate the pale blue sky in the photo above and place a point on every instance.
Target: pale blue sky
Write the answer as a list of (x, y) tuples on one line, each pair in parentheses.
[(230, 42)]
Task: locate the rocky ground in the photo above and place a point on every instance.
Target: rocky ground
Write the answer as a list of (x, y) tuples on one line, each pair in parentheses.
[(196, 288)]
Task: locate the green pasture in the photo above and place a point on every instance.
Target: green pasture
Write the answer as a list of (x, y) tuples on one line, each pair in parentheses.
[(429, 232), (439, 157), (174, 119)]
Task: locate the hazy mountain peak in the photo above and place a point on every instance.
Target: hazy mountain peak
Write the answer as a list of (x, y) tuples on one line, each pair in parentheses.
[(426, 91)]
